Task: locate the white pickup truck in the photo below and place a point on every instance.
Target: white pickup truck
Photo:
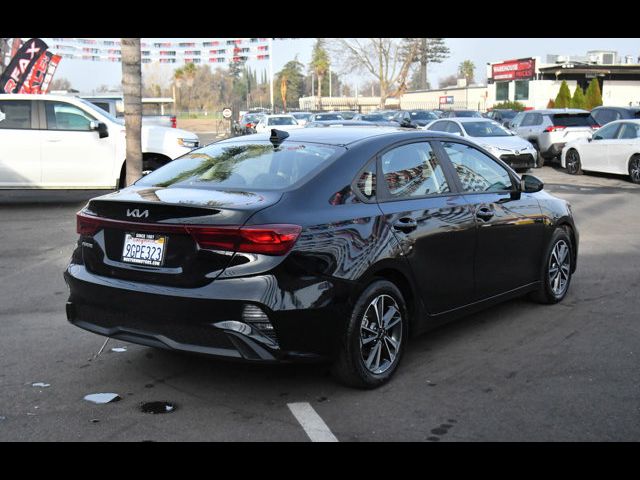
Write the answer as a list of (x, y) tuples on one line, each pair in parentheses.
[(62, 142)]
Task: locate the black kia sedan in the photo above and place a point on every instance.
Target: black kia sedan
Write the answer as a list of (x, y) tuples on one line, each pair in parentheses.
[(318, 243)]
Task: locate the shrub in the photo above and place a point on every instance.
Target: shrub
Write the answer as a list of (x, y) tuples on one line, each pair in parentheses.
[(563, 100), (578, 100), (508, 105)]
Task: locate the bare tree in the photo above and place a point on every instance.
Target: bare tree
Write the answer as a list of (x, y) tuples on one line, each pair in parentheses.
[(132, 89), (387, 59)]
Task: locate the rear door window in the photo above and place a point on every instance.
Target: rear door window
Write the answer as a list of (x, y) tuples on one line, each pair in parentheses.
[(629, 131), (607, 133), (15, 114)]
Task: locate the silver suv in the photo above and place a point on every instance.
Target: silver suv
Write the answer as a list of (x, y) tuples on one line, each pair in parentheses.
[(549, 130)]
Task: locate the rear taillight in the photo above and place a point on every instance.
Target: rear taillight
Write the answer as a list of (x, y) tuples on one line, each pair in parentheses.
[(554, 128), (264, 239), (595, 127), (174, 122), (249, 125), (87, 225)]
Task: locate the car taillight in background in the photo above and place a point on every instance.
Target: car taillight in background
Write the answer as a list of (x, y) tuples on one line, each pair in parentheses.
[(262, 239), (595, 127), (554, 128), (174, 122)]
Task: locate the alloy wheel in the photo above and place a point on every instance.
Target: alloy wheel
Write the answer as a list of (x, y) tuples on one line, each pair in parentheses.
[(559, 268), (573, 162), (380, 334), (634, 170)]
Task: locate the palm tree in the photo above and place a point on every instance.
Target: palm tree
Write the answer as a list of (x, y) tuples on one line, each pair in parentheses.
[(319, 65), (190, 70), (178, 77), (466, 70), (132, 89)]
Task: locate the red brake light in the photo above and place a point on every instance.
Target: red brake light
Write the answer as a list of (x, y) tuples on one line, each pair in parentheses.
[(264, 239), (86, 225), (554, 128), (174, 122), (595, 127)]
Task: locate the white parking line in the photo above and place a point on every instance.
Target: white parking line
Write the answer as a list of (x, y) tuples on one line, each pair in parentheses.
[(313, 425)]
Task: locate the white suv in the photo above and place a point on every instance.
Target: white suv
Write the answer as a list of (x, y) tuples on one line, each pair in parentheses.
[(59, 142)]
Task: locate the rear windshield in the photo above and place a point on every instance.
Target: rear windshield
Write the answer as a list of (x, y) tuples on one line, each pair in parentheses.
[(257, 165), (372, 117), (508, 114), (573, 120)]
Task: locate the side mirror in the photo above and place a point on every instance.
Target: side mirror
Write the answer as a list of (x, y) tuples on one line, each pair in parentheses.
[(101, 128), (530, 184), (507, 125)]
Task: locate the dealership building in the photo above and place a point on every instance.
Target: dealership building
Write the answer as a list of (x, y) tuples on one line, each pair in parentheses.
[(533, 83)]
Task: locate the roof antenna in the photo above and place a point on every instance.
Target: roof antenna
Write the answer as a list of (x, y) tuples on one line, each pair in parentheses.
[(277, 137)]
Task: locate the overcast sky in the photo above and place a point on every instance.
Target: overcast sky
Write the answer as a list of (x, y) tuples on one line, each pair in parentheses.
[(86, 76)]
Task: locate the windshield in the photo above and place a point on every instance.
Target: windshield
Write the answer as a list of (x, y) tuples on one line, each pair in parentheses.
[(251, 117), (301, 116), (282, 121), (257, 165), (508, 114), (102, 112), (485, 129), (423, 116)]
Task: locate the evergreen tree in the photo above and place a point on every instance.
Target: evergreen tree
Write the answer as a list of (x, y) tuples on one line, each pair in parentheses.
[(292, 71), (593, 97), (430, 50), (563, 100), (578, 100)]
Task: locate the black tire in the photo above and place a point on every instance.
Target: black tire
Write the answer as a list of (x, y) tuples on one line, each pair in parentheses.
[(634, 169), (572, 162), (349, 367), (548, 292), (122, 181)]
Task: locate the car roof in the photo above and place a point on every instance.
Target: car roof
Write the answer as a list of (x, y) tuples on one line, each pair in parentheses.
[(342, 136), (34, 96)]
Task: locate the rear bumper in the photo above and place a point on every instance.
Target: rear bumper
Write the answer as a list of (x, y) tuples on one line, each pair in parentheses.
[(205, 320)]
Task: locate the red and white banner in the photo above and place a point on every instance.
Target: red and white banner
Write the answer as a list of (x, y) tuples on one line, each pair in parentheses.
[(522, 69), (33, 82), (19, 69), (53, 64)]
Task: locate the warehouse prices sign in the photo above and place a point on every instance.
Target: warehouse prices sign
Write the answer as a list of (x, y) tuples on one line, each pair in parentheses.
[(522, 69)]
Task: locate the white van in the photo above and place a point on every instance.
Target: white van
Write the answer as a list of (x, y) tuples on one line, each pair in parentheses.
[(60, 142)]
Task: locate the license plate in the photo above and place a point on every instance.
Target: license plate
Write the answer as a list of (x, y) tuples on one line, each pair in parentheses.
[(144, 249)]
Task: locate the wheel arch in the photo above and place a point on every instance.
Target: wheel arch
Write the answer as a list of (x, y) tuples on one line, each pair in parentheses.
[(564, 224)]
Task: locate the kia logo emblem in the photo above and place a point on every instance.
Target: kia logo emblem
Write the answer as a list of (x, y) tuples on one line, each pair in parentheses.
[(137, 213)]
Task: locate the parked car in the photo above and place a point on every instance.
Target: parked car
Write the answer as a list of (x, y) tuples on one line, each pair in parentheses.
[(247, 124), (502, 116), (490, 135), (114, 105), (63, 142), (614, 148), (318, 243), (323, 117), (346, 114), (282, 122), (301, 117), (604, 115), (376, 117), (414, 118), (550, 130), (461, 113)]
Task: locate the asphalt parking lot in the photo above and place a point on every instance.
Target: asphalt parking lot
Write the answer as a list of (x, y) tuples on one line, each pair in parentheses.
[(516, 372)]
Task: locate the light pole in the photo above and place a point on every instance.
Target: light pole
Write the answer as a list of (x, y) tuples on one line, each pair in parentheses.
[(271, 72)]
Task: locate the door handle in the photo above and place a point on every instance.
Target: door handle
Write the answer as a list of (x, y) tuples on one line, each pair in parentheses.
[(405, 224), (484, 213)]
